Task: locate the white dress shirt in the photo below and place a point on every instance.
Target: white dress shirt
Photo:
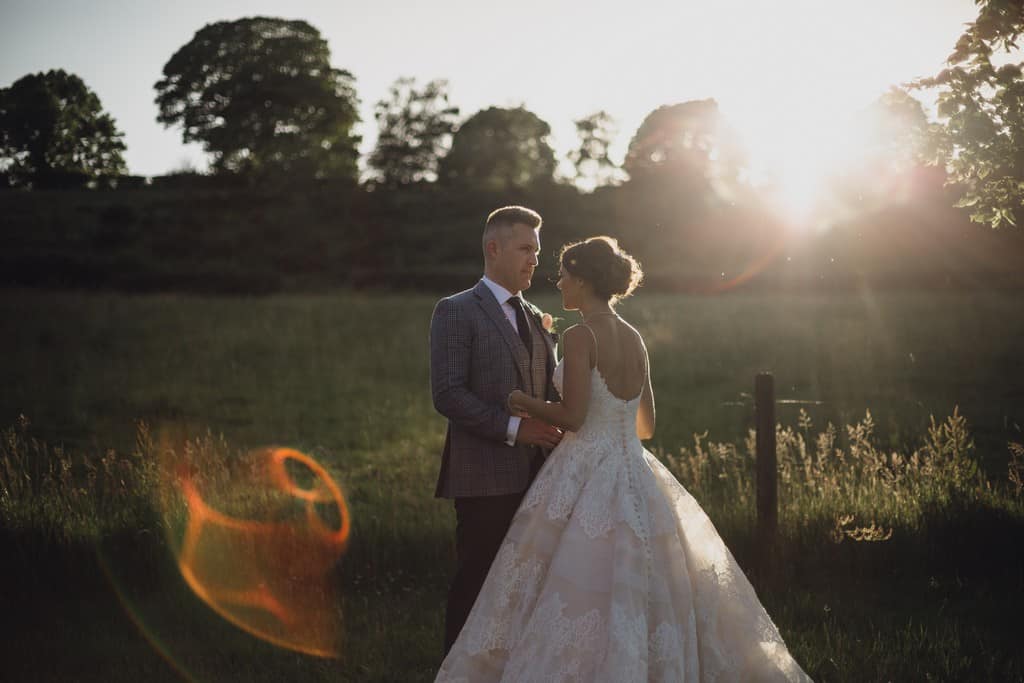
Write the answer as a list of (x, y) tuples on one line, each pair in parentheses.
[(503, 295)]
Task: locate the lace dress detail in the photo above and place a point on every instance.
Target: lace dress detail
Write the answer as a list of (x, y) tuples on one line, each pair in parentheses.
[(612, 572)]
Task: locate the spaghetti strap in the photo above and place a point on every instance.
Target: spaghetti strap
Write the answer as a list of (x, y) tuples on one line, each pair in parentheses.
[(595, 340), (647, 358)]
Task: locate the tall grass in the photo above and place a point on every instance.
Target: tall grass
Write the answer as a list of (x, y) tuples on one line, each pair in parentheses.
[(838, 484), (68, 496), (837, 488), (847, 476)]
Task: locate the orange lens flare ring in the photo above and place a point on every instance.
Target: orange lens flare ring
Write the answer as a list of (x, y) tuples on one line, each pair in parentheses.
[(752, 269), (272, 579)]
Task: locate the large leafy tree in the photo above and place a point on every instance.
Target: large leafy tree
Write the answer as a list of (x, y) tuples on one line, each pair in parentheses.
[(686, 146), (500, 149), (892, 146), (415, 129), (980, 135), (261, 96), (594, 166), (52, 125), (896, 126)]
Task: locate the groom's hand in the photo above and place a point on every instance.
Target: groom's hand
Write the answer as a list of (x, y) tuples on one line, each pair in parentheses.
[(533, 432)]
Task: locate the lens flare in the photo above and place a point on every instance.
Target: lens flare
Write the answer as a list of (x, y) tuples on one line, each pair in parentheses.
[(752, 269), (270, 577)]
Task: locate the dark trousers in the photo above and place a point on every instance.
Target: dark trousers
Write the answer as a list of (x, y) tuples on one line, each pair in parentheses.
[(481, 525)]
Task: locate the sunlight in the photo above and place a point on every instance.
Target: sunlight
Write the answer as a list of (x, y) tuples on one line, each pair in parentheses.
[(797, 91), (792, 158)]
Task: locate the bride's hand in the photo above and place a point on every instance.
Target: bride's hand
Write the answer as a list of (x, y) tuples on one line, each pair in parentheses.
[(515, 404)]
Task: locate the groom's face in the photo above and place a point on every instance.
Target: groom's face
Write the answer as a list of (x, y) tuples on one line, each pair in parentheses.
[(516, 257)]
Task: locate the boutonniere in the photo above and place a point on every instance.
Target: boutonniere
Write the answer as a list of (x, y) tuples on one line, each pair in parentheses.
[(547, 323)]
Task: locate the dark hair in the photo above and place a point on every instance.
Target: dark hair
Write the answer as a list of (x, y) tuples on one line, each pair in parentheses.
[(513, 215), (612, 273)]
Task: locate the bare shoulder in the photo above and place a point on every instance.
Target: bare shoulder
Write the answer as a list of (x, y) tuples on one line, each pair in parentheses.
[(577, 333), (578, 339)]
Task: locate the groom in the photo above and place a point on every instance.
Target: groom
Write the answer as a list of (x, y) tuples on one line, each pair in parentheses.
[(485, 342)]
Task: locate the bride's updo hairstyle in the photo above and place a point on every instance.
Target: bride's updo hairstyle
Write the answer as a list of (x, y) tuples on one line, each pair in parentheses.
[(599, 261)]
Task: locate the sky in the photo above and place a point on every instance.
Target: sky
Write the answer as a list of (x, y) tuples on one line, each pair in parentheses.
[(783, 71)]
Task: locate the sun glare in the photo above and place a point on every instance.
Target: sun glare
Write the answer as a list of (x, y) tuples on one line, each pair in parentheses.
[(792, 158), (797, 82)]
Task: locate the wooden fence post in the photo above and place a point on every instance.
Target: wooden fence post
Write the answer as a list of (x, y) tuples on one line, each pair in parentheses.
[(767, 469)]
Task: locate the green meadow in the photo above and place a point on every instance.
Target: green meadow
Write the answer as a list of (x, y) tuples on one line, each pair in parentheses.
[(900, 553)]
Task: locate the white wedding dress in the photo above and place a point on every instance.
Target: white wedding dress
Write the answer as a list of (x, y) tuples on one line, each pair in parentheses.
[(612, 572)]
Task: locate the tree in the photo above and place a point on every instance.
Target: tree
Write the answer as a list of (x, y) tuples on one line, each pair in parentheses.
[(896, 128), (416, 127), (685, 146), (53, 128), (261, 96), (594, 166), (500, 149), (891, 143), (980, 136)]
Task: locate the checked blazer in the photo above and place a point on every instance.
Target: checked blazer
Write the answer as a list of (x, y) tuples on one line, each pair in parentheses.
[(476, 360)]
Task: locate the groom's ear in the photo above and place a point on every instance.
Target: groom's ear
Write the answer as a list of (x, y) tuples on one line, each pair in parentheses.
[(491, 247)]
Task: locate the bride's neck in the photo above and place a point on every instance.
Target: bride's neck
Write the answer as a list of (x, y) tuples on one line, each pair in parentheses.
[(594, 307)]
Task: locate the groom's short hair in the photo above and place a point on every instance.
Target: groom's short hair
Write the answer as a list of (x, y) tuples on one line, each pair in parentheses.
[(507, 216)]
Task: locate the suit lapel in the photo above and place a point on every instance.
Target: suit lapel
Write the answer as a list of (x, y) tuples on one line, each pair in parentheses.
[(543, 348), (549, 344), (549, 348), (493, 310)]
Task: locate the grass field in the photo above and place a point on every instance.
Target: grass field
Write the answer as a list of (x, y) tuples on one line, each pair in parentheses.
[(344, 378), (349, 372)]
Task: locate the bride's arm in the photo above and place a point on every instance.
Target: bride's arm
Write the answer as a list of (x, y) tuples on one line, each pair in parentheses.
[(572, 410), (645, 415)]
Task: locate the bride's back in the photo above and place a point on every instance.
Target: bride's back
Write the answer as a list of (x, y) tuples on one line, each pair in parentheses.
[(621, 355)]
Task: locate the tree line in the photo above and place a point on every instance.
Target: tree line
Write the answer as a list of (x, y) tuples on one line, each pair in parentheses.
[(262, 98)]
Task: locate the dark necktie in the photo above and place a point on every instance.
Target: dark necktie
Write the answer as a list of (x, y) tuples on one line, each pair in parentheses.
[(522, 323)]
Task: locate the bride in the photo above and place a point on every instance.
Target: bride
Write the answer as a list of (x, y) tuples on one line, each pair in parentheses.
[(610, 570)]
